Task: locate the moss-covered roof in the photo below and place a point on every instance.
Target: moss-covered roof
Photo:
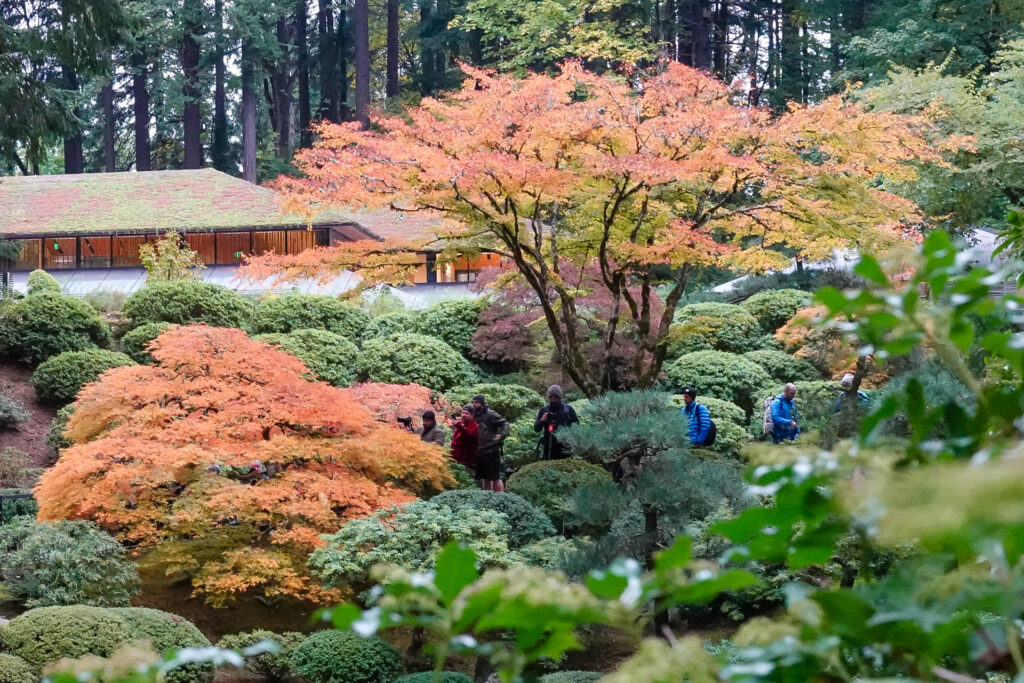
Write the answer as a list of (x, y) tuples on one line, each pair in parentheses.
[(203, 199)]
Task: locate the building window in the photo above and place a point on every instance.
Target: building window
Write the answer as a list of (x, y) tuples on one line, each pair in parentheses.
[(59, 253), (29, 258), (126, 250), (95, 251), (204, 244), (466, 269), (266, 241), (232, 247)]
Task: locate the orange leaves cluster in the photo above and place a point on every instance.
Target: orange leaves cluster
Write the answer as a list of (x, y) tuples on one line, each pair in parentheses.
[(222, 444)]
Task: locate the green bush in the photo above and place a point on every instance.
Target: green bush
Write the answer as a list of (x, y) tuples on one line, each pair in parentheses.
[(165, 632), (55, 438), (46, 324), (41, 282), (61, 377), (431, 677), (47, 634), (783, 367), (814, 402), (17, 469), (548, 553), (572, 677), (16, 670), (187, 301), (718, 374), (549, 484), (721, 411), (774, 307), (135, 342), (521, 445), (65, 563), (330, 357), (512, 401), (712, 326), (344, 657), (310, 312), (273, 666), (415, 359), (392, 323), (453, 321), (17, 507), (527, 523), (12, 412)]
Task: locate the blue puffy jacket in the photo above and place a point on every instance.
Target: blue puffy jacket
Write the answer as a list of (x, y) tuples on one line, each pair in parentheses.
[(784, 412), (700, 423)]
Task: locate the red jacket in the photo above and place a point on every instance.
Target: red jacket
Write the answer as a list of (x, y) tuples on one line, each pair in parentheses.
[(464, 443)]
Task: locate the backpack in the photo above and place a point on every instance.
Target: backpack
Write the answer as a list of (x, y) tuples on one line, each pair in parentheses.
[(712, 433), (769, 425)]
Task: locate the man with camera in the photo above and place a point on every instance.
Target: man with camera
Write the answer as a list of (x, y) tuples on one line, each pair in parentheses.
[(430, 432), (552, 416)]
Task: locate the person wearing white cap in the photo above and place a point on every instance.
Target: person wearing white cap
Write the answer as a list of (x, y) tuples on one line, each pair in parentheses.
[(846, 386)]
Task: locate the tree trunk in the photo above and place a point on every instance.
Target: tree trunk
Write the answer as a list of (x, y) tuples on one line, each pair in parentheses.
[(109, 153), (248, 115), (189, 57), (74, 159), (392, 49), (140, 95), (361, 32), (701, 29), (328, 63), (426, 52), (342, 45), (283, 93), (721, 43), (305, 117), (790, 79), (220, 149)]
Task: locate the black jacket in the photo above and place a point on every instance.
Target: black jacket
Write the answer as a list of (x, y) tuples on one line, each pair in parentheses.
[(562, 416)]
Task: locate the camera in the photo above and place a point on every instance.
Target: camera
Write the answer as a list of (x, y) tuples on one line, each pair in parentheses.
[(407, 421)]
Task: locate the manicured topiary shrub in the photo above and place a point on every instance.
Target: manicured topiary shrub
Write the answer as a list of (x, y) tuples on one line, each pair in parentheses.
[(344, 657), (16, 670), (273, 666), (550, 484), (12, 412), (61, 377), (572, 677), (521, 445), (512, 401), (718, 374), (773, 307), (330, 357), (310, 312), (187, 301), (431, 677), (135, 341), (17, 507), (414, 359), (721, 411), (782, 367), (46, 324), (64, 563), (41, 282), (549, 552), (527, 523), (391, 323), (165, 632), (453, 321), (712, 326)]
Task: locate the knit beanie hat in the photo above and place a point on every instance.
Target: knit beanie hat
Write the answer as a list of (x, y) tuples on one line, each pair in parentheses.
[(555, 391), (429, 415), (479, 398), (847, 381)]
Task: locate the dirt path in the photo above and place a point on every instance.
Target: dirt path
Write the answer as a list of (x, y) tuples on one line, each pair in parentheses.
[(30, 436)]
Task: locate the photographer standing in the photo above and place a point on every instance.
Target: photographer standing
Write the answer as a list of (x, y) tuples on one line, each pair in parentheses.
[(552, 416), (493, 429), (430, 432)]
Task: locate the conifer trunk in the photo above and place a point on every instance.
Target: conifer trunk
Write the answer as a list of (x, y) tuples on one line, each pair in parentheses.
[(189, 57), (361, 32), (392, 49), (248, 114), (301, 38), (220, 148), (109, 153), (140, 95)]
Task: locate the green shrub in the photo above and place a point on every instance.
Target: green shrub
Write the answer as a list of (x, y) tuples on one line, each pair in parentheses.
[(712, 326), (344, 657), (814, 402), (572, 677), (774, 307), (65, 563), (415, 359), (187, 301), (521, 445), (549, 484), (310, 312), (330, 357), (392, 323), (431, 677), (166, 631), (272, 666), (16, 670), (721, 411), (411, 537), (548, 553), (46, 324), (61, 377), (41, 282), (12, 412), (47, 634), (135, 342), (11, 508), (453, 321), (783, 367), (17, 469), (512, 401), (939, 384), (55, 438), (718, 374), (527, 523)]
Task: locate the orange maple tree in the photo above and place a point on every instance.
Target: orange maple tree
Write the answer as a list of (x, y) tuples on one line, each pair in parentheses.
[(388, 402), (643, 180), (226, 461)]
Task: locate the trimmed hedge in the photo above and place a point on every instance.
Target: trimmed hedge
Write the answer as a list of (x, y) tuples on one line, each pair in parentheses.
[(431, 677), (59, 379), (718, 374), (344, 657), (310, 312), (453, 321), (41, 282), (391, 323), (512, 401), (135, 342), (43, 325), (55, 438), (783, 367), (551, 483), (721, 411), (528, 523), (414, 359), (712, 326), (187, 301), (17, 507), (16, 670), (774, 307), (12, 412), (330, 357), (274, 666)]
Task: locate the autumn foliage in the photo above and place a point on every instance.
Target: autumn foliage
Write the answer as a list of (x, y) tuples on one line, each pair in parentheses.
[(223, 459), (639, 180)]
